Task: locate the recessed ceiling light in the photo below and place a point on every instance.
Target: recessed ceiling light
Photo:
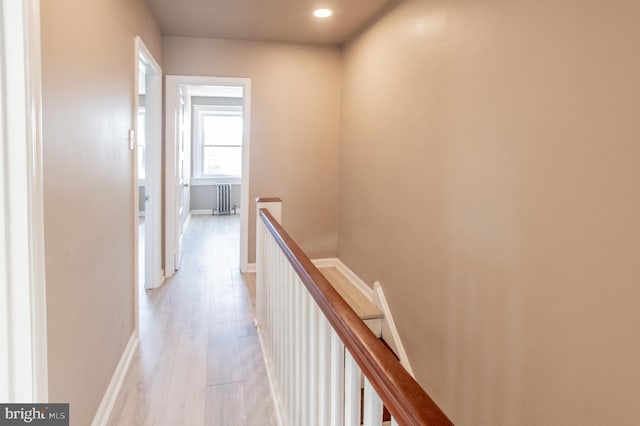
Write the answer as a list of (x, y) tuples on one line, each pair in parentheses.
[(322, 13)]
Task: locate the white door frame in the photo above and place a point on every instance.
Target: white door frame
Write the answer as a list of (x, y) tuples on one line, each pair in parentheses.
[(153, 170), (153, 165), (23, 332), (171, 176)]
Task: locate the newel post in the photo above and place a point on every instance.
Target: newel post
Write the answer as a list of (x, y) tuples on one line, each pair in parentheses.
[(274, 206)]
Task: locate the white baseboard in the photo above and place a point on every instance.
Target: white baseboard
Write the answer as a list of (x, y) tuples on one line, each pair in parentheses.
[(362, 286), (279, 409), (237, 213), (251, 267), (210, 212), (161, 278), (325, 262), (355, 280), (389, 331), (110, 396)]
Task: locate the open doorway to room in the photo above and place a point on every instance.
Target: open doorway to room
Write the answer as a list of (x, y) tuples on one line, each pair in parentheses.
[(208, 147), (147, 180), (216, 172), (144, 268)]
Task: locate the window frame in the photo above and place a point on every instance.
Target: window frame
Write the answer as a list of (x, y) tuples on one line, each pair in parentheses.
[(198, 145)]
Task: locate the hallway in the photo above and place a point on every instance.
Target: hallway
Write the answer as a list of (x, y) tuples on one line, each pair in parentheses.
[(199, 360)]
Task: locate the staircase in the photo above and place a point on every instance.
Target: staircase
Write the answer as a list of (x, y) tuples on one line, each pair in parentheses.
[(369, 313), (366, 310), (318, 331)]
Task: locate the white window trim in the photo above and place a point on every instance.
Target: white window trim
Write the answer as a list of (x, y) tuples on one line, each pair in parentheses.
[(197, 146)]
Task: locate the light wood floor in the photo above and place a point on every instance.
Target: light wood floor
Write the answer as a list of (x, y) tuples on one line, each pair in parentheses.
[(199, 360)]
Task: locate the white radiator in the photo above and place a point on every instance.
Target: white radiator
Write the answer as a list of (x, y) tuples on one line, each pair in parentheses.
[(223, 199)]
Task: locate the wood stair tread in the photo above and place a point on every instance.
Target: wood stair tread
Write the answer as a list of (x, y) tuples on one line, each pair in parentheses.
[(365, 309)]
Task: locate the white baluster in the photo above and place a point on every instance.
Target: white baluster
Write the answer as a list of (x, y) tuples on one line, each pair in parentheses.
[(264, 271), (291, 321), (299, 351), (372, 406), (304, 355), (283, 327), (352, 382), (283, 338), (394, 422), (258, 266), (277, 330), (270, 292), (266, 289), (263, 289), (314, 312), (274, 309), (269, 299), (260, 235), (337, 380), (324, 370), (273, 304), (281, 319)]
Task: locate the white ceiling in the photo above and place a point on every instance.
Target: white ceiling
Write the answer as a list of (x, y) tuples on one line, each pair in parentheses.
[(267, 20)]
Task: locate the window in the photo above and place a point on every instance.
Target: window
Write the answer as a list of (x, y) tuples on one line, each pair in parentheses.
[(218, 141)]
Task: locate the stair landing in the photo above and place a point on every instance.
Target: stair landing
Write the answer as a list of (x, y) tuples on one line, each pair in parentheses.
[(366, 310)]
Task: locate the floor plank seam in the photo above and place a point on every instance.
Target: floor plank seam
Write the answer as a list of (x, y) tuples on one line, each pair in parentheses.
[(198, 351), (222, 384)]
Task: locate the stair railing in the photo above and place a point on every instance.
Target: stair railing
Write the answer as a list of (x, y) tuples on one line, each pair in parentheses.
[(318, 351)]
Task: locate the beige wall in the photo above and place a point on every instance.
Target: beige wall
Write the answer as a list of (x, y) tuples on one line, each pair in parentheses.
[(295, 114), (490, 179), (88, 96)]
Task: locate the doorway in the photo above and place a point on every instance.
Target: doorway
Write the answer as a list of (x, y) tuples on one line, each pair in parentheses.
[(207, 146), (147, 145)]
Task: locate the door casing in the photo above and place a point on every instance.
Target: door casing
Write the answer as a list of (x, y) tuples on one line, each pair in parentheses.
[(172, 185), (23, 323), (153, 170)]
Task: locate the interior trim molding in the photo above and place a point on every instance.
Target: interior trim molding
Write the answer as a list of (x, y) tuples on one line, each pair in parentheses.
[(389, 331), (23, 327), (209, 212), (347, 272), (172, 87), (326, 262), (278, 408), (113, 390)]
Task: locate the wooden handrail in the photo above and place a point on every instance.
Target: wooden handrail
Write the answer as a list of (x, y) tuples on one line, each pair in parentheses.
[(407, 402), (268, 200)]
